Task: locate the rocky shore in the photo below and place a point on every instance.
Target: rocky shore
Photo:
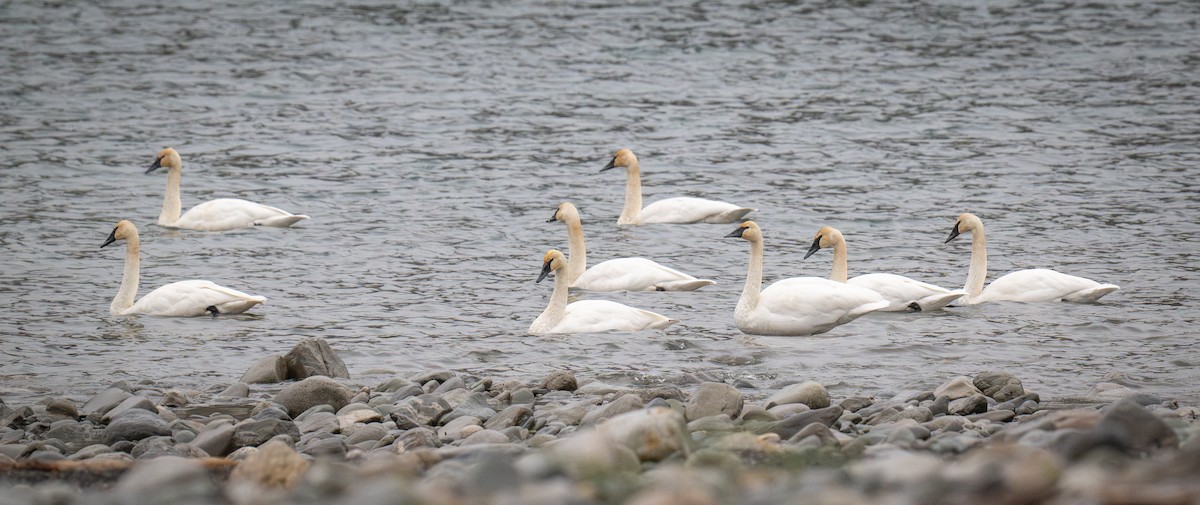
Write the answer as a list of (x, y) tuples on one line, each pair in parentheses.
[(443, 437)]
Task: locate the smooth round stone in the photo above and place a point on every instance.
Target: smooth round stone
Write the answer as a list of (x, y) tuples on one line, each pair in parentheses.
[(135, 424), (514, 415), (560, 380), (652, 434), (360, 416), (392, 385), (975, 404), (313, 357), (268, 370), (62, 407), (450, 385), (958, 387), (791, 425), (435, 375), (810, 393), (1136, 428), (756, 413), (782, 411), (331, 446), (453, 430), (855, 403), (620, 405), (717, 422), (713, 398), (995, 416), (104, 401), (235, 390), (91, 451), (215, 441), (314, 410), (318, 421), (485, 437), (72, 434), (317, 390), (946, 423), (255, 432), (133, 402), (475, 405), (417, 438), (999, 385), (274, 465), (268, 411), (352, 407), (522, 396)]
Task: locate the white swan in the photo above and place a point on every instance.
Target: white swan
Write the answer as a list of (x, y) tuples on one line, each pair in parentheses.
[(214, 215), (587, 316), (620, 274), (183, 298), (902, 293), (682, 210), (1034, 285), (797, 306)]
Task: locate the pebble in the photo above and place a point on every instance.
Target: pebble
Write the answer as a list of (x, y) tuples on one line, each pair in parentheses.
[(810, 393), (62, 407), (216, 441), (135, 424), (312, 391), (560, 380), (999, 385), (713, 398), (104, 401)]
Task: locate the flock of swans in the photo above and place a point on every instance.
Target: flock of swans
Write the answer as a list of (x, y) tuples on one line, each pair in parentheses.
[(796, 306)]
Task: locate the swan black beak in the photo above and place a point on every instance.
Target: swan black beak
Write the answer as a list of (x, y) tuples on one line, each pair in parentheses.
[(545, 271), (155, 166), (611, 164), (736, 233), (554, 217), (112, 237), (953, 233), (815, 247)]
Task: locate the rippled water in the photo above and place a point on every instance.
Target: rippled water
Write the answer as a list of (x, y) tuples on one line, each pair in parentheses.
[(431, 142)]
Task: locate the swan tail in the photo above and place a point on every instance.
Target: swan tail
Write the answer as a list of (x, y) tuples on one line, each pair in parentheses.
[(936, 302), (281, 221), (866, 308), (1091, 294), (239, 306), (690, 285), (730, 216)]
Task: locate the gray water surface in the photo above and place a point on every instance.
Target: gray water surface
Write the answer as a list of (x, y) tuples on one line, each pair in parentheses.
[(430, 143)]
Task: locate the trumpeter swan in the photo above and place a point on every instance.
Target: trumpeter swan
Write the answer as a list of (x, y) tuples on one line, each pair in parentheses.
[(214, 215), (183, 298), (902, 293), (620, 274), (1033, 285), (681, 210), (797, 306), (587, 316)]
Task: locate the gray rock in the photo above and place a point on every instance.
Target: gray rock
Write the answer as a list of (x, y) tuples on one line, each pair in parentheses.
[(476, 405), (73, 434), (713, 398), (940, 406), (995, 416), (166, 480), (855, 403), (522, 396), (958, 387), (91, 451), (450, 385), (946, 423), (104, 401), (423, 410), (330, 446), (216, 441), (660, 392), (174, 399), (791, 425), (652, 434), (809, 393), (313, 357), (365, 432), (392, 385), (560, 380), (601, 388), (435, 375), (1136, 429), (514, 415), (408, 391), (975, 404), (787, 409), (485, 437), (135, 424), (157, 447), (255, 432), (917, 414), (318, 390), (417, 438), (621, 405), (718, 422), (998, 385), (8, 415), (571, 413), (453, 430), (62, 407), (268, 370), (319, 421), (235, 390)]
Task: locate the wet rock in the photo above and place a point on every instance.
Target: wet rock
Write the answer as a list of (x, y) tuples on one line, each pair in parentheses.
[(330, 446), (318, 421), (453, 430), (475, 405), (73, 434), (621, 405), (317, 390), (522, 396), (365, 432), (173, 399), (8, 415), (268, 370), (62, 407), (268, 411), (1136, 429), (358, 417), (788, 409), (392, 385), (855, 403), (958, 387), (975, 404), (91, 451), (423, 410), (713, 398), (485, 437), (235, 390), (435, 375), (600, 389), (135, 424), (940, 406), (791, 425), (1004, 474), (256, 432), (660, 392), (999, 385), (809, 393), (417, 438), (274, 465), (313, 357), (560, 380), (166, 480), (995, 416), (104, 401), (590, 454), (571, 413), (216, 441), (718, 422), (514, 415)]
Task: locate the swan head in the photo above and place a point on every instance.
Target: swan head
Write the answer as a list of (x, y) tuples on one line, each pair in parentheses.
[(565, 212), (167, 157), (623, 158), (124, 230), (827, 236), (748, 230), (553, 260), (967, 223)]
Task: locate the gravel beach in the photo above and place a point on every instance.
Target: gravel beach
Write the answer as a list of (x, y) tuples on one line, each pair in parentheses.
[(299, 429)]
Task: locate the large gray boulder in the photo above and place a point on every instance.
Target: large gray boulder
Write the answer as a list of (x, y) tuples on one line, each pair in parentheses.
[(268, 370), (311, 392), (312, 357)]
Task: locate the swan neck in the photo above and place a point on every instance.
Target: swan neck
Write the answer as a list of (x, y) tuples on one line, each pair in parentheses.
[(578, 260), (750, 293), (839, 262), (129, 279), (172, 207), (977, 274), (557, 309), (633, 194)]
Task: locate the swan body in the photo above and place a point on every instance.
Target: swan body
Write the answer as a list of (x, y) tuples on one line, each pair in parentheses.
[(214, 215), (679, 210), (185, 298), (620, 274), (902, 293), (798, 306), (587, 316), (1033, 285)]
